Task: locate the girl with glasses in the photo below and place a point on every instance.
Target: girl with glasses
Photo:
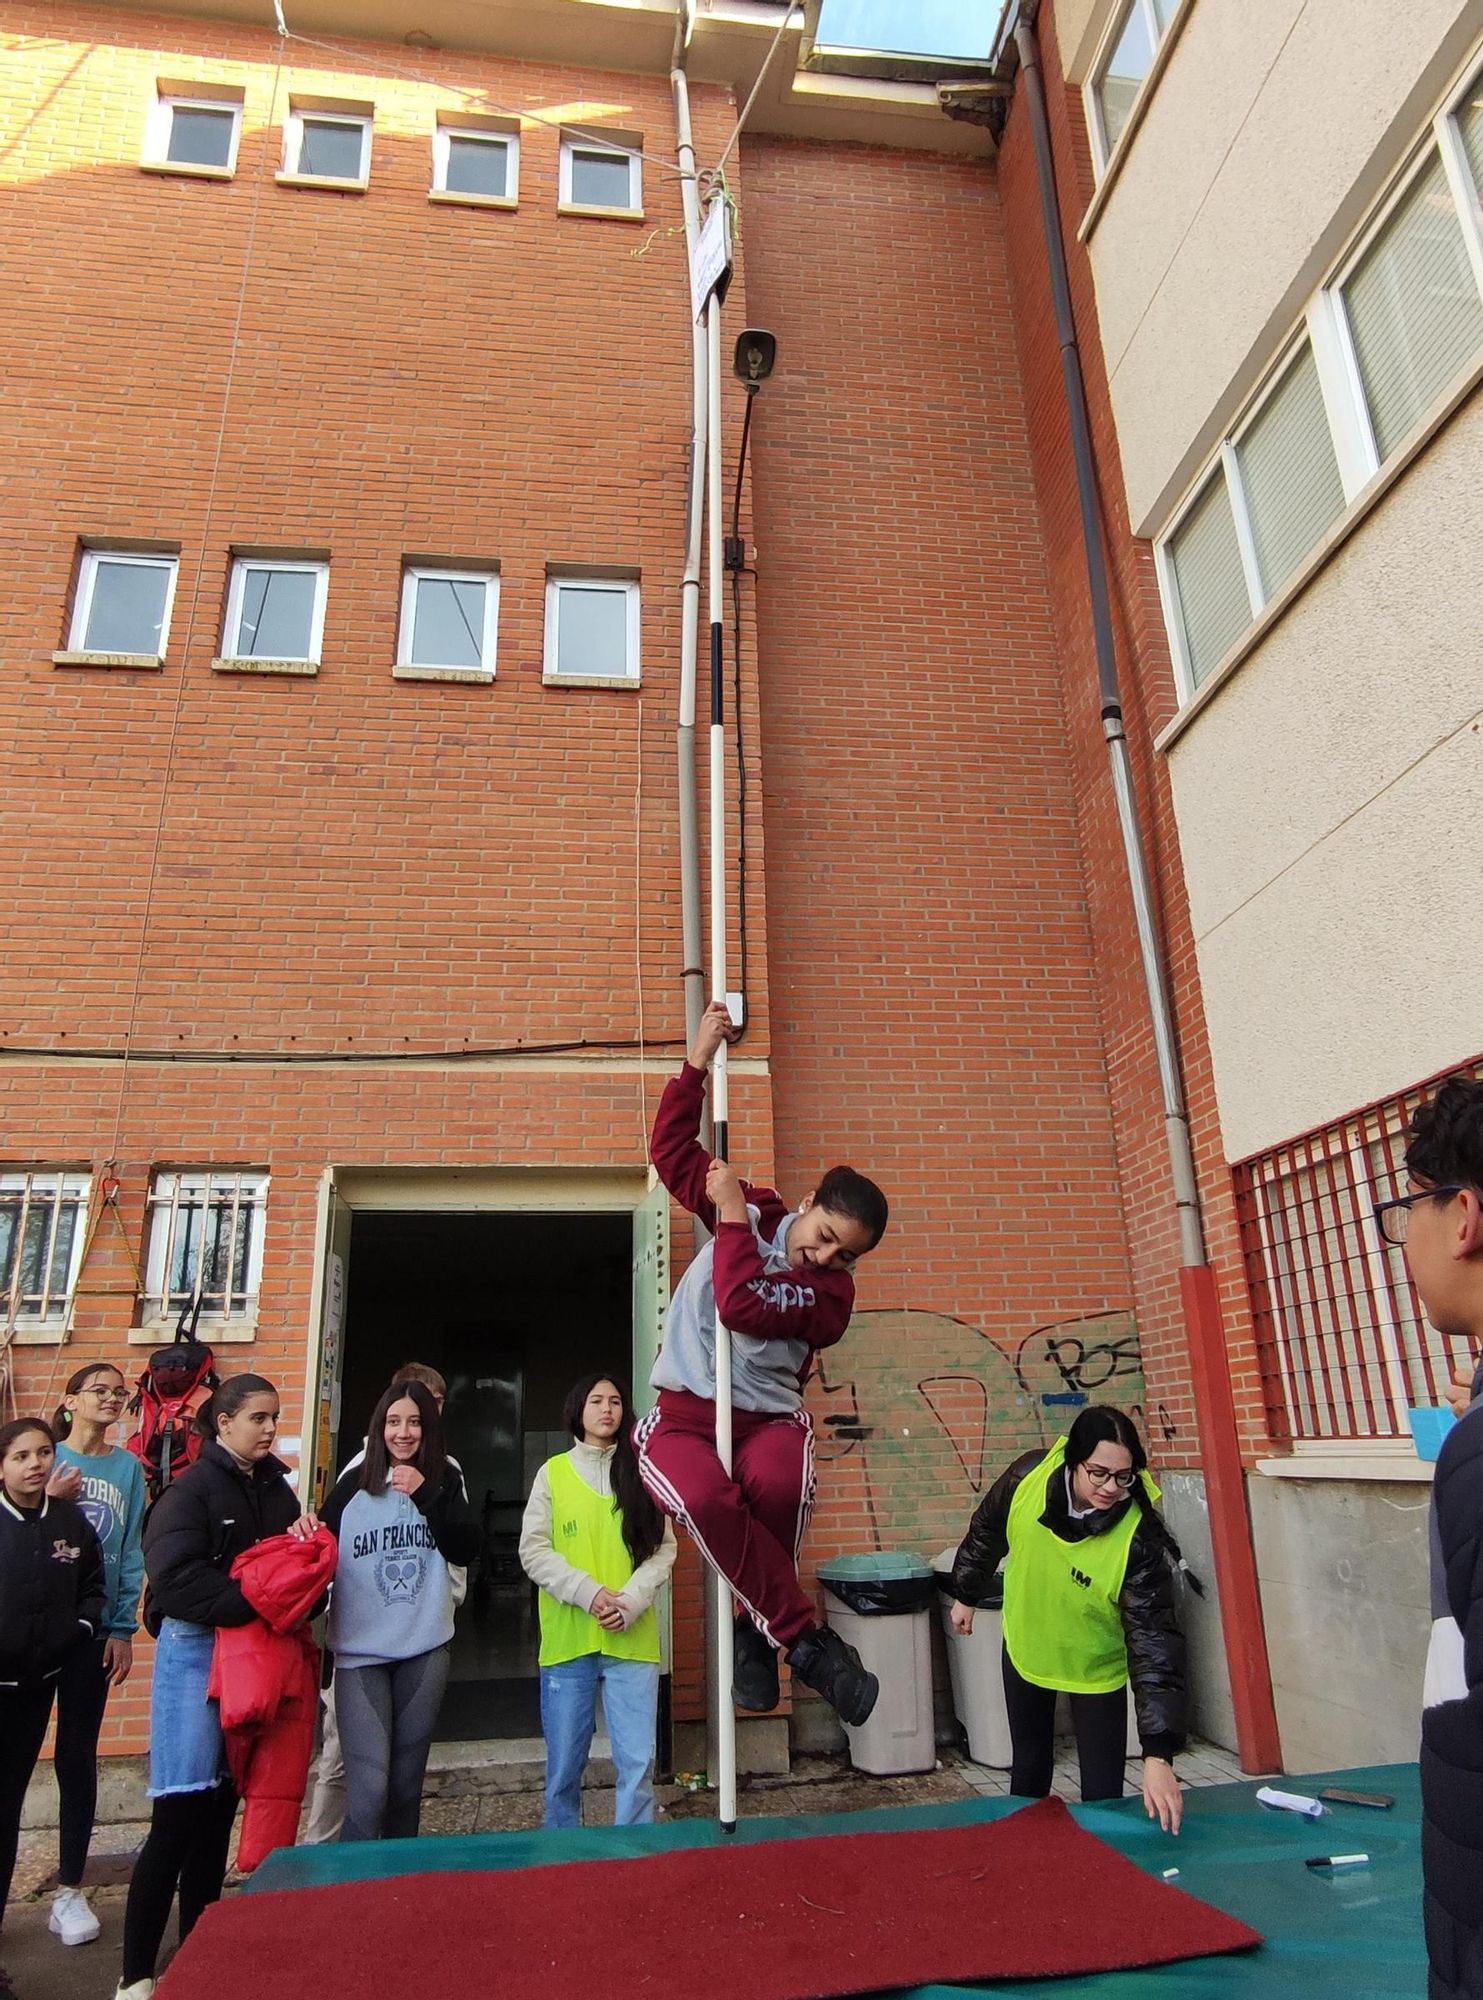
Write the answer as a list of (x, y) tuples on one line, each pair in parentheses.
[(106, 1484), (1088, 1606)]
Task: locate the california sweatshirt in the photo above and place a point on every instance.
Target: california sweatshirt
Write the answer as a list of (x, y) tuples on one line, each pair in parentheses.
[(113, 1500)]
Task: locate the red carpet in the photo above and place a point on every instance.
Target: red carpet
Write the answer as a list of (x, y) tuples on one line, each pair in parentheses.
[(1025, 1897)]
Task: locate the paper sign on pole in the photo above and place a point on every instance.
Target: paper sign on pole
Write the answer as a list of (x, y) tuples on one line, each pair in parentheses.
[(710, 261)]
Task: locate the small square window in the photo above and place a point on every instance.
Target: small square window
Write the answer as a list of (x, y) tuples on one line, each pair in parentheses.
[(448, 621), (195, 135), (42, 1230), (206, 1242), (602, 177), (592, 629), (123, 604), (481, 166), (275, 610), (328, 146)]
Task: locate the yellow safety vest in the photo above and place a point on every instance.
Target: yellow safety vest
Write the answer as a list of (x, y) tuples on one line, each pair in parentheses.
[(587, 1529), (1063, 1625)]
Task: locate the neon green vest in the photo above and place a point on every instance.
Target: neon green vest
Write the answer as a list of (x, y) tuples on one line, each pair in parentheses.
[(587, 1529), (1063, 1627)]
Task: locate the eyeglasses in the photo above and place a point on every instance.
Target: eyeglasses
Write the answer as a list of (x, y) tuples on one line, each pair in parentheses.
[(1100, 1476), (119, 1395), (1393, 1218)]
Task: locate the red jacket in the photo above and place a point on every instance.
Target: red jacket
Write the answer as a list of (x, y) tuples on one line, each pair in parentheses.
[(265, 1676)]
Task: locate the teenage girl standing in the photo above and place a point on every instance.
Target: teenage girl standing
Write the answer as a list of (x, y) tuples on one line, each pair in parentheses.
[(599, 1549), (235, 1495)]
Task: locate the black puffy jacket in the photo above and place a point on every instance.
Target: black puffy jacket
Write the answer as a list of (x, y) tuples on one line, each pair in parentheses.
[(51, 1588), (1452, 1721), (205, 1518), (1156, 1654)]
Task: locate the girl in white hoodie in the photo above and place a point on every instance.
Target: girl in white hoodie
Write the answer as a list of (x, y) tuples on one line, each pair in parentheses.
[(599, 1550)]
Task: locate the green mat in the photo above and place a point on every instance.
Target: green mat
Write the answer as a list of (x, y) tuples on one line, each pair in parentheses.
[(1355, 1932)]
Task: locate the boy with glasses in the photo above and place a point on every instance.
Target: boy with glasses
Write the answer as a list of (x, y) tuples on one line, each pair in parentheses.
[(1439, 1224)]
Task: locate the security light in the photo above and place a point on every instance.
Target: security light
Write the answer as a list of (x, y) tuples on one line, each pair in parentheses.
[(756, 352)]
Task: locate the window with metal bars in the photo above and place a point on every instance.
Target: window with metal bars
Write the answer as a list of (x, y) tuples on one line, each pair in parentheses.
[(42, 1227), (206, 1242), (1344, 1347)]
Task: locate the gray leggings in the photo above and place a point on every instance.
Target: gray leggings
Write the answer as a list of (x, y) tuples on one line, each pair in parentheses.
[(386, 1716)]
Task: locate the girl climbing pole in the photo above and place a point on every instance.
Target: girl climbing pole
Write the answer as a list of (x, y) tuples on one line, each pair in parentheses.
[(1088, 1607), (599, 1550)]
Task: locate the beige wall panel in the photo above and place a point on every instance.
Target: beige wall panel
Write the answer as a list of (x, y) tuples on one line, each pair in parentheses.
[(1079, 24), (1271, 130)]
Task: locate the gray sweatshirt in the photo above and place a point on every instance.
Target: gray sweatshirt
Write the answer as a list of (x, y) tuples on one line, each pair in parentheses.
[(765, 1374), (550, 1571)]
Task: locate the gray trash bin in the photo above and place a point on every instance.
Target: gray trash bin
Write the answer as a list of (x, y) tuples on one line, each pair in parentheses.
[(881, 1605), (973, 1662)]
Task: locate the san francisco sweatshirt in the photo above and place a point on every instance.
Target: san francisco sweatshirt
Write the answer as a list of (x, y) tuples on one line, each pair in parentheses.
[(392, 1597)]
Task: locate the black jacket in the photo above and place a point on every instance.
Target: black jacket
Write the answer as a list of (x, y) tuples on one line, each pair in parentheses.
[(456, 1533), (51, 1588), (205, 1518), (1156, 1660), (1452, 1722)]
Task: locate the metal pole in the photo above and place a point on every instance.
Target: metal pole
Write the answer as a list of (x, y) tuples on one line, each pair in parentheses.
[(725, 1712)]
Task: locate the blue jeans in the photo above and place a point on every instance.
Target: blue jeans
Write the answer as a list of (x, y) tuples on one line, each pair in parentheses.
[(630, 1698)]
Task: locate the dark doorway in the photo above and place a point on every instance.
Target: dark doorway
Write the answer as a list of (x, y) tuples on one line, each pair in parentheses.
[(510, 1309)]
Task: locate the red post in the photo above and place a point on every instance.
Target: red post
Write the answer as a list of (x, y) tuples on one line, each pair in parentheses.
[(1257, 1740)]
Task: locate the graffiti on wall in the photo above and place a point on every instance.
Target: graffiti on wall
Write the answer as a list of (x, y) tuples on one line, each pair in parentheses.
[(918, 1413)]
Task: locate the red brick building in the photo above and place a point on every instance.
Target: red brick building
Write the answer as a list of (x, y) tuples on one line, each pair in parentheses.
[(346, 924)]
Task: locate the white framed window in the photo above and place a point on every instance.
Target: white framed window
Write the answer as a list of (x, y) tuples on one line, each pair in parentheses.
[(330, 146), (476, 165), (1120, 71), (123, 603), (598, 178), (43, 1227), (592, 629), (196, 135), (449, 622), (1394, 331), (205, 1240), (275, 609)]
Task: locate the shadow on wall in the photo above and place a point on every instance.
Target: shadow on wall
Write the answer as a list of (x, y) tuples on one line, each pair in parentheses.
[(923, 1379)]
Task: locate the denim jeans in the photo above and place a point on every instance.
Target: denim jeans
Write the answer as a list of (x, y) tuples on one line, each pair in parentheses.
[(630, 1698)]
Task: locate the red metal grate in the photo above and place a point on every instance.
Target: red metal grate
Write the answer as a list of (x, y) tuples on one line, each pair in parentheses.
[(1344, 1348)]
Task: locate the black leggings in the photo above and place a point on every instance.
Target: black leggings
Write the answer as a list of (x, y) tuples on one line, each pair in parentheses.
[(82, 1692), (1101, 1725), (189, 1834), (24, 1714)]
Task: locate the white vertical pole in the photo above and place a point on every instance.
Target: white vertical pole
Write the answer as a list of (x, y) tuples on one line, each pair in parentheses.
[(725, 1712)]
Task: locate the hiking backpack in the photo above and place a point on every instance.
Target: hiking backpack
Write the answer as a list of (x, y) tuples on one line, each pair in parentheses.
[(176, 1381)]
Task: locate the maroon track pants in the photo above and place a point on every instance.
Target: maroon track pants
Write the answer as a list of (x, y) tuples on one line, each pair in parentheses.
[(749, 1526)]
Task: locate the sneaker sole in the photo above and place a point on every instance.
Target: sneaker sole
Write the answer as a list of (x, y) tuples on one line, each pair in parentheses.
[(866, 1708), (88, 1937)]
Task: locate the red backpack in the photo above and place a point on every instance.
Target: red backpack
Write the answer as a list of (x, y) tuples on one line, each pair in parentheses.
[(176, 1382)]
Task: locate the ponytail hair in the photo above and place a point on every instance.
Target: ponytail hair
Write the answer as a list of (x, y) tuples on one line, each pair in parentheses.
[(227, 1398), (1101, 1423), (61, 1422), (643, 1526)]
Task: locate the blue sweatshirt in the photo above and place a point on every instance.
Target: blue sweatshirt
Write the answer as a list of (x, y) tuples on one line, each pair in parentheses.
[(113, 1500)]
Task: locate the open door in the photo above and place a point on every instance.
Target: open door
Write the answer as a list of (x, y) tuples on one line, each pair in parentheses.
[(650, 1304), (321, 1426)]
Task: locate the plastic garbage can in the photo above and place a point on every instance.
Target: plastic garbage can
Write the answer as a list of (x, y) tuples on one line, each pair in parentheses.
[(881, 1605), (973, 1664)]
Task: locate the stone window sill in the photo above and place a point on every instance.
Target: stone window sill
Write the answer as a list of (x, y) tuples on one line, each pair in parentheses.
[(478, 676), (330, 181), (219, 1333), (265, 666), (599, 214), (132, 662), (590, 681), (1358, 1464), (454, 200), (188, 169)]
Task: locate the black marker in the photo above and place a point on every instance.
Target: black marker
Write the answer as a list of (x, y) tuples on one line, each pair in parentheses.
[(1336, 1861)]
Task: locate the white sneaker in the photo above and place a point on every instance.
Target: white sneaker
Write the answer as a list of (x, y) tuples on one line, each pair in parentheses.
[(71, 1918), (140, 1990)]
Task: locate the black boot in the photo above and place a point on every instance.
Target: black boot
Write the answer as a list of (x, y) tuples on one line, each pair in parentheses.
[(823, 1661), (754, 1670)]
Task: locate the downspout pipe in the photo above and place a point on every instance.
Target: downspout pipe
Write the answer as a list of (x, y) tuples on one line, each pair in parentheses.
[(1240, 1602)]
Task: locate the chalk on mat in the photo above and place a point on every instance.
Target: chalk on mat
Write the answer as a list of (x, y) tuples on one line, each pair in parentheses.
[(1290, 1802), (1337, 1861), (1170, 1873)]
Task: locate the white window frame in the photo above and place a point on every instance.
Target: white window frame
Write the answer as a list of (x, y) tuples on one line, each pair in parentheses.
[(87, 577), (55, 1187), (1325, 325), (1102, 152), (552, 653), (443, 134), (236, 588), (574, 142), (293, 145), (161, 118), (213, 1188), (415, 573)]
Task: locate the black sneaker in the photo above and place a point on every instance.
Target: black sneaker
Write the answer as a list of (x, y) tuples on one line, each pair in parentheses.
[(754, 1670), (823, 1661)]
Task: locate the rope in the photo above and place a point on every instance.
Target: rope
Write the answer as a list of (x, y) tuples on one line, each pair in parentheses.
[(190, 623), (746, 110)]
